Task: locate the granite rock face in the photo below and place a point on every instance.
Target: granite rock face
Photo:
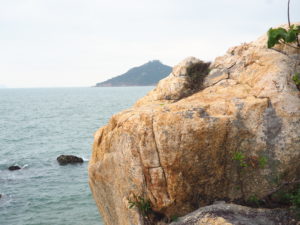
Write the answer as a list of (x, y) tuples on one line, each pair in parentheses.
[(234, 136), (179, 84), (231, 214)]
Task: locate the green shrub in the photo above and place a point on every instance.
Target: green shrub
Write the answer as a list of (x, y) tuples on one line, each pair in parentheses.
[(281, 35)]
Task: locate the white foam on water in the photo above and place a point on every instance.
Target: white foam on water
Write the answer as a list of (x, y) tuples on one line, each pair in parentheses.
[(85, 159), (25, 166)]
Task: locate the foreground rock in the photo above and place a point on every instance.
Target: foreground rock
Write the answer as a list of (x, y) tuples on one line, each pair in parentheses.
[(14, 168), (231, 214), (233, 135), (69, 159)]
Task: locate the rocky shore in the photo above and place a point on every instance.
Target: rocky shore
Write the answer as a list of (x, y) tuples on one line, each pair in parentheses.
[(226, 130)]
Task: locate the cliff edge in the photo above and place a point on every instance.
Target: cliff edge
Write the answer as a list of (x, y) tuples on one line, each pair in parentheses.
[(226, 130)]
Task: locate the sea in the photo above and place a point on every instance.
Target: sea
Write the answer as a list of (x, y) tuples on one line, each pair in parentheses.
[(36, 126)]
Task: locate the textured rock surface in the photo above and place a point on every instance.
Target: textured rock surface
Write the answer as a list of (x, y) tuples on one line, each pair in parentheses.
[(68, 159), (231, 214), (178, 151), (174, 87)]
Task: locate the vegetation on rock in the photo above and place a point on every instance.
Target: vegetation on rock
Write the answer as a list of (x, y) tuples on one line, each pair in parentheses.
[(288, 37), (142, 204), (283, 36), (197, 73)]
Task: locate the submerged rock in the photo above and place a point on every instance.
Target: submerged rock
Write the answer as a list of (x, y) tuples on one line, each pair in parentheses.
[(235, 136), (231, 214), (14, 168), (68, 159)]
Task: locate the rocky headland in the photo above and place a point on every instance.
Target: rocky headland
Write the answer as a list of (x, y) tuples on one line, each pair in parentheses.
[(147, 74), (227, 130)]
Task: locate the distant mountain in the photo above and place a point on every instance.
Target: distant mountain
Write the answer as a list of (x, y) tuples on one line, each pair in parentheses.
[(144, 75)]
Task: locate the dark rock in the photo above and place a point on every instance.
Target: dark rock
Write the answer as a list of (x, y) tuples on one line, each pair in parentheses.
[(68, 159), (14, 168)]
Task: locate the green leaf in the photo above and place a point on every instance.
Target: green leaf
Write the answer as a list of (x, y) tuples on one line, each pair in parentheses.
[(291, 36), (274, 35)]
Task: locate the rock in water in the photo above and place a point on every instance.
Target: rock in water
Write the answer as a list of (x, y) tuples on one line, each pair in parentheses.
[(69, 159), (14, 168), (234, 136)]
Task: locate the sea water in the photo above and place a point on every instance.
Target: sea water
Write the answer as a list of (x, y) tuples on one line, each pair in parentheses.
[(36, 126)]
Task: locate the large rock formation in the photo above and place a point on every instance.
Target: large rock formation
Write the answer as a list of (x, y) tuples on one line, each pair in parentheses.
[(231, 214), (190, 141)]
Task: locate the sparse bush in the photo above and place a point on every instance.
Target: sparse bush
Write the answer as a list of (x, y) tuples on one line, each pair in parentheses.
[(141, 204), (197, 73)]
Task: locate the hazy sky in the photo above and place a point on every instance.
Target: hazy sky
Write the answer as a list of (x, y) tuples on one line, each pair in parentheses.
[(52, 43)]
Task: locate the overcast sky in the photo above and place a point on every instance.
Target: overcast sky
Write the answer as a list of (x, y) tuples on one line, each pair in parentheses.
[(60, 43)]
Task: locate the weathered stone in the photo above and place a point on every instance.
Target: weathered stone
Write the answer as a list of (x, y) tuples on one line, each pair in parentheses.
[(231, 214), (68, 159), (14, 168), (180, 83), (179, 148)]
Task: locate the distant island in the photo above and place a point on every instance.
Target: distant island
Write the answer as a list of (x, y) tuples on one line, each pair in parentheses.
[(145, 75)]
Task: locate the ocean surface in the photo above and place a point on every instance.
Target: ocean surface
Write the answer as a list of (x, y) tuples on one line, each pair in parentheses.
[(36, 126)]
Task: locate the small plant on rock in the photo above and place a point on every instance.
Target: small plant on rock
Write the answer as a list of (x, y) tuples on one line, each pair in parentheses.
[(295, 200), (141, 204), (254, 201), (288, 37), (284, 36), (296, 79), (262, 162), (240, 158)]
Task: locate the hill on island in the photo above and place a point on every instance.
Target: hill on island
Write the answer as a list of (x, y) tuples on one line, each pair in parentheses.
[(145, 75)]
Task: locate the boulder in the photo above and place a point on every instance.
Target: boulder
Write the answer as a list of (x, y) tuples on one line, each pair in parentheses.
[(68, 159), (232, 134), (231, 214), (14, 168), (186, 78)]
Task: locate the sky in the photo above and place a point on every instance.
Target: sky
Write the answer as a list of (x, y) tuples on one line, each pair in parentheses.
[(69, 43)]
